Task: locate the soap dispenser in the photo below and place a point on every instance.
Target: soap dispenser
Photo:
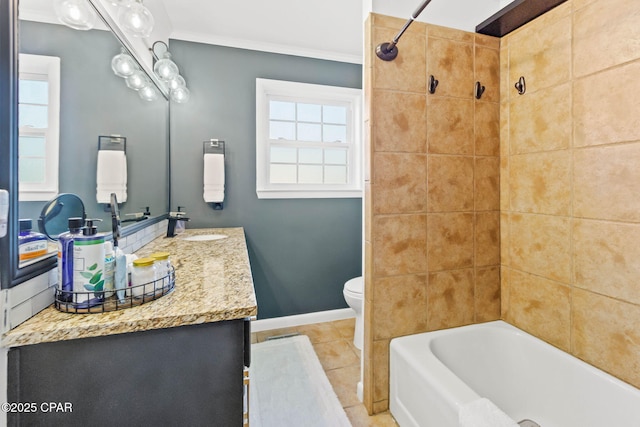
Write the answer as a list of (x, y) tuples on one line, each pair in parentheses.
[(65, 258), (88, 265)]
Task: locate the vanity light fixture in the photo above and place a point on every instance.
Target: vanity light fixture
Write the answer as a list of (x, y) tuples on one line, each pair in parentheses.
[(123, 65), (148, 92), (77, 14), (135, 18), (180, 95), (165, 68), (137, 80), (168, 72)]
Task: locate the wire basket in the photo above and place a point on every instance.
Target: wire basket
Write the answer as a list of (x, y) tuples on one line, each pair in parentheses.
[(100, 302)]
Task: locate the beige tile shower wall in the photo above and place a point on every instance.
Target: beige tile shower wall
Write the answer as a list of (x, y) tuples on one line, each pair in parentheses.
[(570, 181), (432, 200)]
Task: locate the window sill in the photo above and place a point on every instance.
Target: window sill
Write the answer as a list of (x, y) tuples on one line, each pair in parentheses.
[(37, 196), (297, 194)]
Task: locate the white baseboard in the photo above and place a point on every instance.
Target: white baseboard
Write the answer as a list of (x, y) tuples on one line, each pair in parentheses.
[(302, 319)]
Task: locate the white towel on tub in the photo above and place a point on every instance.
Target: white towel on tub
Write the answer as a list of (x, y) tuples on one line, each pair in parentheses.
[(483, 413), (111, 176), (213, 178)]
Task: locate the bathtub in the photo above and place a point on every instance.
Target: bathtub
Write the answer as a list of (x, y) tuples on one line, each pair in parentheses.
[(433, 374)]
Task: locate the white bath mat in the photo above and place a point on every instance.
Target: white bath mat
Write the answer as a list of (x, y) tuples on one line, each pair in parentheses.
[(288, 387)]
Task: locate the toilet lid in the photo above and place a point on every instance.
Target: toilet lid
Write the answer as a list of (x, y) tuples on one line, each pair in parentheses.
[(355, 285)]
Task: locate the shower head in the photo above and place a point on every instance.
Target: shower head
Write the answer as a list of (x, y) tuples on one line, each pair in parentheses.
[(389, 51)]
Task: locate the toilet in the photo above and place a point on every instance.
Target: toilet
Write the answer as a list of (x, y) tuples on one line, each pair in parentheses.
[(353, 294)]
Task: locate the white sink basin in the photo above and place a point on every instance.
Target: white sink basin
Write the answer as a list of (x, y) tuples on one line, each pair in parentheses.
[(205, 237)]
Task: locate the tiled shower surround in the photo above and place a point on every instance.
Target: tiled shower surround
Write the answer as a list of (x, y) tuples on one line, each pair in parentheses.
[(570, 182), (521, 207), (432, 194)]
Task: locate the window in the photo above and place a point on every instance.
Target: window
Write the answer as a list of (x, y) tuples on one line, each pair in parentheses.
[(39, 126), (308, 140)]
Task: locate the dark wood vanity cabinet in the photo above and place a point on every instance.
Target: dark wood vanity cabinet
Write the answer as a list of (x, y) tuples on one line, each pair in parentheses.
[(180, 376)]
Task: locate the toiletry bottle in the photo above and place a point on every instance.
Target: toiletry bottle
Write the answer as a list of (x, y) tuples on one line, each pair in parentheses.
[(163, 269), (120, 280), (88, 266), (143, 276), (65, 258), (129, 263), (109, 269), (30, 244)]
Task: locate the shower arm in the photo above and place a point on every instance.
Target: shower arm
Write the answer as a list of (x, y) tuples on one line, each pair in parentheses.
[(389, 51)]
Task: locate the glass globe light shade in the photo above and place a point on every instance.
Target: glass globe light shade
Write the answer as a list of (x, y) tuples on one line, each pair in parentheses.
[(120, 2), (136, 19), (148, 93), (77, 14), (123, 65), (180, 95), (165, 68), (137, 80), (176, 82)]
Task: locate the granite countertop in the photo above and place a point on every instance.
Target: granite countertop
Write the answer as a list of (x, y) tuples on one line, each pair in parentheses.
[(213, 283)]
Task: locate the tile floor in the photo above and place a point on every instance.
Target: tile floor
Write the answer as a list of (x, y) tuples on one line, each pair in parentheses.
[(333, 343)]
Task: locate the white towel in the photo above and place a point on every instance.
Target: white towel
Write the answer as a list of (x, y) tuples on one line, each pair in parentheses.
[(213, 178), (111, 176), (483, 413)]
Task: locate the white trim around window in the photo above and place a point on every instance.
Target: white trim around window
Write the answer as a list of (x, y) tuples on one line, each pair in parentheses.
[(41, 68), (308, 140)]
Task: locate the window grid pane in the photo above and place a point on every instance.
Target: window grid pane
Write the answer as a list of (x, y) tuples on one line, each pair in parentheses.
[(33, 91), (33, 116), (32, 146), (31, 170), (281, 110), (308, 165), (303, 121)]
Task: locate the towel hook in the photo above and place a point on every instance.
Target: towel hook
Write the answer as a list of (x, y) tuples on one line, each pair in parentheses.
[(521, 85), (479, 90), (433, 84)]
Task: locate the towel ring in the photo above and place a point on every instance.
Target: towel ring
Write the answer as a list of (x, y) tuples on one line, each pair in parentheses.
[(213, 146), (112, 142)]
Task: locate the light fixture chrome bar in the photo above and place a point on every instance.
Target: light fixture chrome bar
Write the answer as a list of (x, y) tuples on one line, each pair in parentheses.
[(111, 24), (389, 51)]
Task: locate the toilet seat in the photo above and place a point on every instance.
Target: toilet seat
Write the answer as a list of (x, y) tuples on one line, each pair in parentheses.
[(355, 285)]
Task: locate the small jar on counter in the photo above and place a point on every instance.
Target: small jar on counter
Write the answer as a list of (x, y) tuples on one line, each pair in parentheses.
[(143, 276), (162, 263)]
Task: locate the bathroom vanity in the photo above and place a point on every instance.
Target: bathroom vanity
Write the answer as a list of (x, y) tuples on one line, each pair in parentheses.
[(178, 360)]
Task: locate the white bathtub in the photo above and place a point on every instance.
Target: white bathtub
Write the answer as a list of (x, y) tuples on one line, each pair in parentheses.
[(433, 374)]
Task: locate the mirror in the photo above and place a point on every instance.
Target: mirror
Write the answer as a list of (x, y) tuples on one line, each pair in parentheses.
[(54, 218), (93, 102)]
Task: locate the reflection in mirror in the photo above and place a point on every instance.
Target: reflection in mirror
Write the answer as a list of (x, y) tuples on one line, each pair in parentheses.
[(55, 215), (68, 98)]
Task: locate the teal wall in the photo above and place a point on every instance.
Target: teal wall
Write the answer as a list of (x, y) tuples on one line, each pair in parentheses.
[(301, 250)]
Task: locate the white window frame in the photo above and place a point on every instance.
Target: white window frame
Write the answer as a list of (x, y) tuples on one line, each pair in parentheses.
[(47, 68), (304, 92)]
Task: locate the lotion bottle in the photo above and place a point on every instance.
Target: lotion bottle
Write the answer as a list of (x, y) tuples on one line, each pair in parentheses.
[(65, 258), (120, 280), (109, 269), (88, 266)]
